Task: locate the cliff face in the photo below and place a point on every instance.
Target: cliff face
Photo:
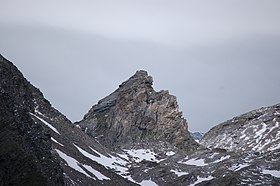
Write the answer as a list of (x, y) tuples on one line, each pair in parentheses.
[(134, 113), (25, 153)]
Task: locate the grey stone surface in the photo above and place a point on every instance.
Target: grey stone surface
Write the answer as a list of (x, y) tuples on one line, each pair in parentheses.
[(136, 112)]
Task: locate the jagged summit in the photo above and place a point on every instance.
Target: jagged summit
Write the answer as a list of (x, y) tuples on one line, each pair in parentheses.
[(141, 77), (135, 112)]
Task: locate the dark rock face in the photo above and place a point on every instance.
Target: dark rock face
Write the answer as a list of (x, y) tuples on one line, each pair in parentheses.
[(25, 149), (136, 113)]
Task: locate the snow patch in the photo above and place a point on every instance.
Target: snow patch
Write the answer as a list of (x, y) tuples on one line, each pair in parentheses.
[(178, 173), (148, 183), (78, 126), (170, 153), (196, 162), (274, 173), (46, 123), (139, 155)]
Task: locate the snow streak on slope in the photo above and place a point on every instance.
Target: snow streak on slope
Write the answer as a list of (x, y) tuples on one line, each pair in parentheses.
[(96, 173), (71, 162), (110, 162), (74, 164), (46, 123), (54, 140), (221, 159)]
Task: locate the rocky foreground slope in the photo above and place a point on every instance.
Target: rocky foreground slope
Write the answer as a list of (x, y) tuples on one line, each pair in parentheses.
[(134, 136), (25, 148)]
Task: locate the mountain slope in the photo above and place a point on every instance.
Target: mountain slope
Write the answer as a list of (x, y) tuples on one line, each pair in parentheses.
[(25, 153), (257, 130)]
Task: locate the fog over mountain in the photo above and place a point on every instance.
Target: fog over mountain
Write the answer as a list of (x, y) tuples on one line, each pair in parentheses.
[(220, 59)]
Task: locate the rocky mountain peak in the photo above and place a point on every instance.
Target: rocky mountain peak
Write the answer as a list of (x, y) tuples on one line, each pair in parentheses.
[(139, 79), (135, 113)]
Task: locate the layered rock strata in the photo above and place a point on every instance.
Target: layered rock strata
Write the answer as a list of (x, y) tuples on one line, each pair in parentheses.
[(134, 113)]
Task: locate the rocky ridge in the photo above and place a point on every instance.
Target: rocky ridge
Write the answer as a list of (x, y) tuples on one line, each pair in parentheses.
[(25, 153), (257, 130)]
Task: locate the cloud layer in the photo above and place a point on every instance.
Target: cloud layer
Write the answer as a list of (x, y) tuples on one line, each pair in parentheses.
[(220, 59)]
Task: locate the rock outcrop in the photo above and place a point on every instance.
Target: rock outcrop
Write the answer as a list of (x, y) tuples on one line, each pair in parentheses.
[(134, 113)]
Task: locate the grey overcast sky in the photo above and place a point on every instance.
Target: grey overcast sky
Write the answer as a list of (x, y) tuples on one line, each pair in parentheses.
[(220, 58)]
